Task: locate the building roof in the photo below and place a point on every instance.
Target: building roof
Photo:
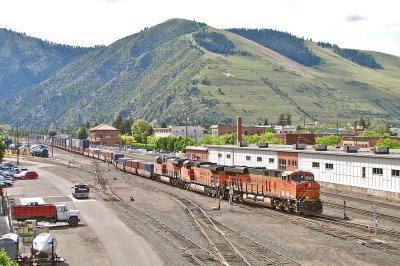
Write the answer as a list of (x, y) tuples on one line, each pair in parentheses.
[(197, 148), (362, 152), (103, 127)]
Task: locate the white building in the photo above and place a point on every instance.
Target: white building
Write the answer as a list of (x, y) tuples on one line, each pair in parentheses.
[(361, 170), (284, 129), (194, 132), (394, 130)]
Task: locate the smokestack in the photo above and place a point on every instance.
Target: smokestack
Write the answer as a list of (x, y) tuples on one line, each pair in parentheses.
[(239, 130)]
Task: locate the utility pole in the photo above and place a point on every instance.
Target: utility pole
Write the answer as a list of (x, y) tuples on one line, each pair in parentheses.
[(345, 217), (230, 198), (16, 145), (186, 129), (375, 217), (186, 133)]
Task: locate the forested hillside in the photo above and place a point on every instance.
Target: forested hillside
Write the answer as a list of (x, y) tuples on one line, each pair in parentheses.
[(183, 70), (356, 56), (281, 42), (26, 61)]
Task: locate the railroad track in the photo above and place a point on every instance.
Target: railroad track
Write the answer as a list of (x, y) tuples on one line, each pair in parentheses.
[(370, 202), (363, 212), (191, 250), (232, 245), (394, 234), (331, 227), (203, 256), (223, 244)]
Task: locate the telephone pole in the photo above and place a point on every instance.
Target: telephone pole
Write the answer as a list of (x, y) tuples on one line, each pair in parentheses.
[(17, 146)]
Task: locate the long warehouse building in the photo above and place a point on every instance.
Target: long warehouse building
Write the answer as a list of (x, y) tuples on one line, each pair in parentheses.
[(375, 171)]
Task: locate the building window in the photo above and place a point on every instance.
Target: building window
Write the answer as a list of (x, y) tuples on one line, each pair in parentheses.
[(282, 164), (395, 172), (228, 156), (271, 160), (315, 165), (219, 155), (259, 159), (329, 166), (248, 158), (363, 172), (377, 171), (294, 163)]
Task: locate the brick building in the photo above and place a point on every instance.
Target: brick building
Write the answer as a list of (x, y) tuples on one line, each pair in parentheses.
[(197, 153), (104, 135), (218, 130)]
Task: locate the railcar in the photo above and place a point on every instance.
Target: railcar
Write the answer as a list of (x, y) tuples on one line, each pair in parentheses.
[(168, 170), (146, 169), (131, 166), (294, 191), (205, 177), (121, 163)]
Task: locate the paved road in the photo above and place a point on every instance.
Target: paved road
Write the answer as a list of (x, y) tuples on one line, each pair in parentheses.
[(101, 239)]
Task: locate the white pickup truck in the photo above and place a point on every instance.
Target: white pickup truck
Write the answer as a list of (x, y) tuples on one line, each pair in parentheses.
[(80, 190)]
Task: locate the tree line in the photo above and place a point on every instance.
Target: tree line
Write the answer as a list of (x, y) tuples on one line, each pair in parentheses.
[(214, 42), (356, 56), (282, 43)]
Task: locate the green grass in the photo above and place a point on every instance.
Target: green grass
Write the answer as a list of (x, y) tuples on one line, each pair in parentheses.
[(156, 83)]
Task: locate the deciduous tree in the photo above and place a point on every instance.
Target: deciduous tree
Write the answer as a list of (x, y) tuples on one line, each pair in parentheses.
[(388, 142), (330, 140), (82, 133), (141, 129)]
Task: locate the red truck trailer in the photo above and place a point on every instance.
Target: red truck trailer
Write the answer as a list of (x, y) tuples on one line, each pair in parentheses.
[(45, 212)]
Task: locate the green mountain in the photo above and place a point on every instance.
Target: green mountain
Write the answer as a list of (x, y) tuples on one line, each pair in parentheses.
[(26, 61), (183, 69)]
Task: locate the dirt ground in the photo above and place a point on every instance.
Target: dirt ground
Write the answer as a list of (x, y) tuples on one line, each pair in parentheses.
[(295, 241)]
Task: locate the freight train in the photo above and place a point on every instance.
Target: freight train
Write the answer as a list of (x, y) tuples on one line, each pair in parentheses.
[(293, 191)]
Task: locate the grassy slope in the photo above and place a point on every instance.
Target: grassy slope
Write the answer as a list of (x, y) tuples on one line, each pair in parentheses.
[(367, 91), (337, 90), (155, 84)]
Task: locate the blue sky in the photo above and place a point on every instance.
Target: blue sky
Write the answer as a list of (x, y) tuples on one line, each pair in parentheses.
[(366, 25)]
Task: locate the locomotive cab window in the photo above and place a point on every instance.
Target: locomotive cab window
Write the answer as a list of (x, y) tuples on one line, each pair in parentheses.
[(297, 178), (309, 178)]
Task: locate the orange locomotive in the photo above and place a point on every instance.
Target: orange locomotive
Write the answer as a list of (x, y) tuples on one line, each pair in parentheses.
[(294, 191)]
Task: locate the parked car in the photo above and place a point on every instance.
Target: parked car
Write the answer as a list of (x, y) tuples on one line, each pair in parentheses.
[(18, 170), (6, 177), (5, 183), (27, 175)]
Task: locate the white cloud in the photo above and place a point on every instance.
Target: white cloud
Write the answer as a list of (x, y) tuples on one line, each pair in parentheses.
[(354, 18)]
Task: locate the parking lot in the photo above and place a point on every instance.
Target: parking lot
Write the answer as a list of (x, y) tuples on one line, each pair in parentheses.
[(89, 243)]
